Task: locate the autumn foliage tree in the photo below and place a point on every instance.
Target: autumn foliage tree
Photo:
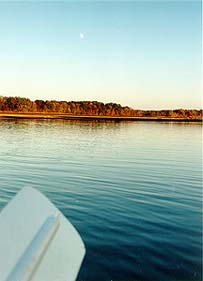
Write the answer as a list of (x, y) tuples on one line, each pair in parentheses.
[(89, 108)]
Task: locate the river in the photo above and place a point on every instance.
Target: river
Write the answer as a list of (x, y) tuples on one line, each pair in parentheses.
[(133, 191)]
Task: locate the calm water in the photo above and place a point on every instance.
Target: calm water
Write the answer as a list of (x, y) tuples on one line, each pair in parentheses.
[(132, 190)]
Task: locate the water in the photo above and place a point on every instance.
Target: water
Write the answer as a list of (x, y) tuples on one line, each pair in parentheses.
[(132, 190)]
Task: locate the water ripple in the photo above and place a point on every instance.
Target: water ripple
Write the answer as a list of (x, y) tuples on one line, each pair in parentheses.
[(133, 191)]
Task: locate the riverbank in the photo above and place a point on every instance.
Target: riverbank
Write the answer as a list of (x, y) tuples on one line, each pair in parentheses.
[(92, 117)]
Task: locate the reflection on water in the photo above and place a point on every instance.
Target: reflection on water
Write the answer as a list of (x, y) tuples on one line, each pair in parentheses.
[(132, 189)]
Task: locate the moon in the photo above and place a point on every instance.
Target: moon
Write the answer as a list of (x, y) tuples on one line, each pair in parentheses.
[(82, 36)]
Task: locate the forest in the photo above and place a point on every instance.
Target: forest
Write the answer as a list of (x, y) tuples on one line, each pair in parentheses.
[(88, 108)]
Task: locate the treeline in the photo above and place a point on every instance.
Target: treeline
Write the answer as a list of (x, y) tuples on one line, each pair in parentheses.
[(89, 108)]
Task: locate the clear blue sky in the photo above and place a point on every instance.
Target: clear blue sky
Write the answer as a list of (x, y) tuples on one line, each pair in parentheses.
[(143, 54)]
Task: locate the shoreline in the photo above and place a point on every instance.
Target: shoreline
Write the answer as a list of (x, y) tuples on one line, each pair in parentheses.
[(92, 117)]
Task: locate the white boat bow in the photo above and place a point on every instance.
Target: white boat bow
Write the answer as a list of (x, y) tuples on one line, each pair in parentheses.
[(37, 242)]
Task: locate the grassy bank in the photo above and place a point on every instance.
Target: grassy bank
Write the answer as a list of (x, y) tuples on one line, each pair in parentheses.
[(91, 117)]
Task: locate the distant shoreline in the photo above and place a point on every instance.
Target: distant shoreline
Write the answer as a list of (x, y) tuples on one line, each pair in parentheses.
[(92, 117), (18, 107)]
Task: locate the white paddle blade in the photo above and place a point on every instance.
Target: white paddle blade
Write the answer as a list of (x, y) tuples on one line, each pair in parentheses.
[(37, 243)]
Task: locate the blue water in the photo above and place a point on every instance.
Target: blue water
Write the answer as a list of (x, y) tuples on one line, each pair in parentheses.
[(132, 190)]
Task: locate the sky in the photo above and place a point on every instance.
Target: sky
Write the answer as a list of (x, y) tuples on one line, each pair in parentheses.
[(144, 54)]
